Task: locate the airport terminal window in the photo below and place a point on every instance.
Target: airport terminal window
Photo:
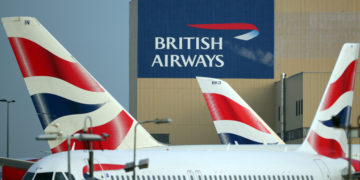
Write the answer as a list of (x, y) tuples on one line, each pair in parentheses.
[(184, 177), (279, 178), (230, 177), (154, 178)]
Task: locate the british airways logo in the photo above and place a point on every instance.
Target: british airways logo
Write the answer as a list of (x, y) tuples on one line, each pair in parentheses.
[(201, 44), (187, 38)]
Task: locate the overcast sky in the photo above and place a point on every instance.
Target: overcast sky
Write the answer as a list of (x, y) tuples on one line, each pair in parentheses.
[(95, 32)]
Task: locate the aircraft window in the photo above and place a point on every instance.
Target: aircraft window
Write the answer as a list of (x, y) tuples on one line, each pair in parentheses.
[(59, 176), (43, 176), (28, 176)]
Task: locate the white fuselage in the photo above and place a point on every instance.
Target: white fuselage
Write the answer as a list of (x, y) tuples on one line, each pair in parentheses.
[(216, 164)]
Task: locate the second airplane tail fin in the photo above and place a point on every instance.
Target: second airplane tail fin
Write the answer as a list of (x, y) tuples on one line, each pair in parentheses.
[(234, 120), (335, 106), (64, 93)]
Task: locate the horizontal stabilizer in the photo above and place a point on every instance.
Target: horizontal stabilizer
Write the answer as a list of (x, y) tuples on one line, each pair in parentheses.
[(20, 164)]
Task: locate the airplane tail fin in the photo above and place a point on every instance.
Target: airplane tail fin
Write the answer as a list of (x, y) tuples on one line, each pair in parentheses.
[(234, 120), (323, 138), (64, 93)]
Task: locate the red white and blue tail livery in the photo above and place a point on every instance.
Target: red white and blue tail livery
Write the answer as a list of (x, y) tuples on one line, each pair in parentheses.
[(336, 102), (64, 93), (234, 120)]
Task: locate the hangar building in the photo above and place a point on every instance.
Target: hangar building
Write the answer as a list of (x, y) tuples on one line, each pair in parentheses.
[(307, 38)]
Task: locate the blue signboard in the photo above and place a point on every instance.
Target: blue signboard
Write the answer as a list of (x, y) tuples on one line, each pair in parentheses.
[(215, 38)]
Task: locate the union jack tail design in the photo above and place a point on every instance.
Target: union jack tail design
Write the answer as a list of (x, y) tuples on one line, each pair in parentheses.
[(234, 120), (64, 93), (323, 138)]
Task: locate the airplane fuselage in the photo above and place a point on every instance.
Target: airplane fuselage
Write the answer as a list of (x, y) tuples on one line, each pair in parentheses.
[(172, 164)]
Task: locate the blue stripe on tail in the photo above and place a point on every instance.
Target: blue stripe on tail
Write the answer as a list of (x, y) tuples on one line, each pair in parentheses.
[(50, 107), (344, 116)]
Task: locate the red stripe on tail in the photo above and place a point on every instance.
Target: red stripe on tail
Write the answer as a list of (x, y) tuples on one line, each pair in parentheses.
[(224, 108), (326, 147), (117, 128), (35, 60), (342, 85)]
